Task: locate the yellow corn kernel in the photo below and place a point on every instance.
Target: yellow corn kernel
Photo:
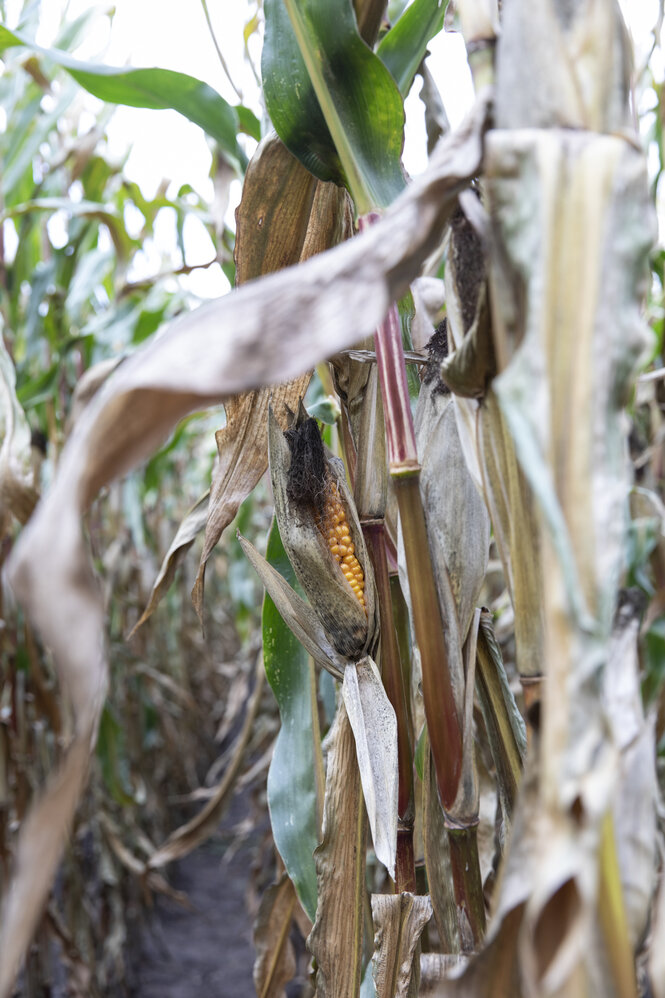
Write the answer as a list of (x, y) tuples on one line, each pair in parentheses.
[(335, 528)]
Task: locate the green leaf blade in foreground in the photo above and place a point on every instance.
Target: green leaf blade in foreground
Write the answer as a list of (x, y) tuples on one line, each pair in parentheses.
[(403, 48), (154, 88), (332, 101), (297, 766)]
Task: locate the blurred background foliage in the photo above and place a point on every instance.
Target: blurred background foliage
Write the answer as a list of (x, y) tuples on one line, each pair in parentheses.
[(83, 281)]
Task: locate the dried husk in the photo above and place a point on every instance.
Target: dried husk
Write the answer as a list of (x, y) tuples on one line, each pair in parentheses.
[(352, 631), (458, 534), (399, 920), (296, 613), (374, 725)]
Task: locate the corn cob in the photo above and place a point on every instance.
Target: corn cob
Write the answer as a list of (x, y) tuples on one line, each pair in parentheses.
[(334, 526)]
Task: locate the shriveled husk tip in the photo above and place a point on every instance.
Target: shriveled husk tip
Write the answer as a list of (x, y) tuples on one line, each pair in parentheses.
[(352, 630)]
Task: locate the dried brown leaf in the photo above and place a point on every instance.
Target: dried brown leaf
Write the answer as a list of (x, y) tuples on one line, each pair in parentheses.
[(192, 525), (399, 920), (336, 939), (275, 963)]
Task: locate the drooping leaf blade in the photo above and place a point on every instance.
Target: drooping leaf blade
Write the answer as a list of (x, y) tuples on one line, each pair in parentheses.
[(403, 48), (153, 88)]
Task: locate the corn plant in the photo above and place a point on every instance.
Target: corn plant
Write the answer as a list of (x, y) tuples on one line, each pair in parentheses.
[(514, 804)]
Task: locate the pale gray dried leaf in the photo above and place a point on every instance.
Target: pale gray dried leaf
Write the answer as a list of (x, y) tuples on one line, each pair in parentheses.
[(275, 963), (399, 920), (458, 524), (579, 53), (298, 615), (571, 230), (336, 939), (18, 493), (191, 526), (479, 20), (272, 329), (635, 799), (374, 727), (89, 384)]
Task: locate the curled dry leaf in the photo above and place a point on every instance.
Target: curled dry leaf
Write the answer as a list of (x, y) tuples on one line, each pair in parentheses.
[(193, 523), (399, 920), (275, 329), (374, 727), (285, 216)]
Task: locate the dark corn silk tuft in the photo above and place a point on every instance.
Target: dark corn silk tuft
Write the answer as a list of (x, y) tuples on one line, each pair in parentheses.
[(312, 492)]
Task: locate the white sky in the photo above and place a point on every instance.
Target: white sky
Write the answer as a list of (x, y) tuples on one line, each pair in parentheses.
[(165, 145)]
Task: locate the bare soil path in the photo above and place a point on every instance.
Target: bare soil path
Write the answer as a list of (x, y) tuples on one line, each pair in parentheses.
[(208, 952)]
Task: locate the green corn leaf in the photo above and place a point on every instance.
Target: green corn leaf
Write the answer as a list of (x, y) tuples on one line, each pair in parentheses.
[(332, 101), (403, 48), (153, 88), (296, 778)]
